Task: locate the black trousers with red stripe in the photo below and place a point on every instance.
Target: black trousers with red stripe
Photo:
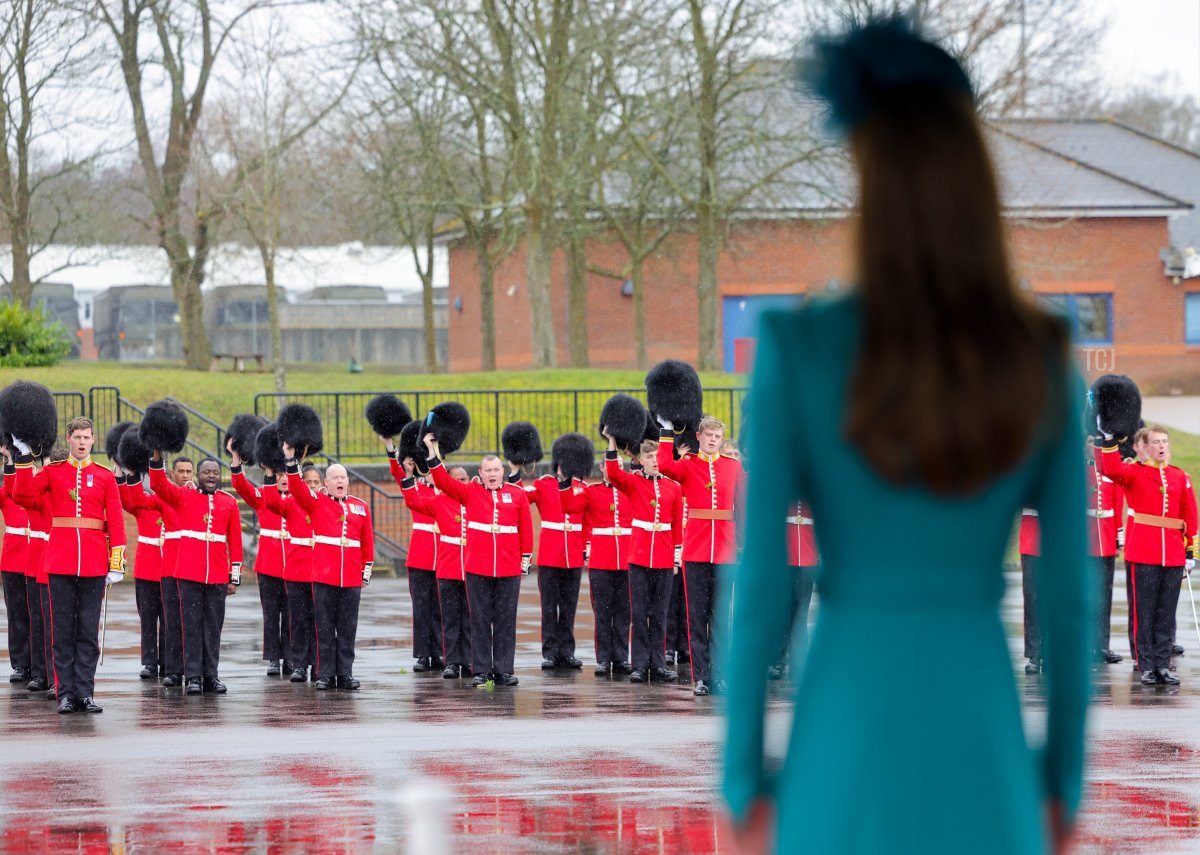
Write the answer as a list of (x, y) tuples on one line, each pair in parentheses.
[(16, 604), (427, 614), (649, 599), (172, 616), (47, 633), (37, 630), (456, 622), (610, 605), (559, 589), (700, 586), (1105, 565), (75, 603), (1033, 630), (493, 601), (272, 595), (677, 631), (1155, 597), (335, 612), (147, 596), (796, 640), (203, 616), (300, 624)]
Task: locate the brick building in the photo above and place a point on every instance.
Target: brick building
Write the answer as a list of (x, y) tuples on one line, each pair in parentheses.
[(1101, 222)]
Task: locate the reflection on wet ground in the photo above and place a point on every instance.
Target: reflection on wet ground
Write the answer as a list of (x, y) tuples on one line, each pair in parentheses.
[(566, 762)]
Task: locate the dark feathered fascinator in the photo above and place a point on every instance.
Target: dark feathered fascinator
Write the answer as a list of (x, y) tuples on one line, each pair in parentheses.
[(855, 72)]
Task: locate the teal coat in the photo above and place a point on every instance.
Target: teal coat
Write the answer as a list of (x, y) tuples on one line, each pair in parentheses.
[(885, 755)]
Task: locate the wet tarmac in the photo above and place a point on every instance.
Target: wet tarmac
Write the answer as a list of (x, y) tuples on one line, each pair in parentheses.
[(565, 762)]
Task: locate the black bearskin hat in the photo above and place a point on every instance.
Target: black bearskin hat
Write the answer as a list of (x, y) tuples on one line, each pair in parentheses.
[(1115, 400), (112, 441), (243, 433), (410, 445), (673, 392), (574, 454), (268, 448), (449, 423), (29, 413), (300, 427), (164, 427), (387, 415), (132, 452), (625, 419), (521, 443)]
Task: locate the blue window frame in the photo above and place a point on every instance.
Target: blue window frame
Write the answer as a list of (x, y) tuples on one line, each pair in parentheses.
[(1191, 318), (1090, 315)]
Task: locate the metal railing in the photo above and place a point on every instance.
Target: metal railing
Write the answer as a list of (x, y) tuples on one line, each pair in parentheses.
[(554, 412)]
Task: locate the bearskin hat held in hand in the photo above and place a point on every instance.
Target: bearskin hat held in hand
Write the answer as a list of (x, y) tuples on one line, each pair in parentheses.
[(449, 423), (268, 448), (1117, 402), (112, 441), (132, 452), (29, 413), (243, 433), (300, 427), (574, 454), (673, 392), (624, 418), (387, 415), (521, 443), (164, 427), (409, 445)]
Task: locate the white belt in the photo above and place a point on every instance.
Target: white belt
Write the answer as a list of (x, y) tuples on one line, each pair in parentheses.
[(613, 530), (15, 530), (799, 521), (429, 527), (40, 535), (453, 541), (494, 529), (651, 526), (206, 536), (1028, 512), (337, 541), (172, 535), (562, 526), (300, 541), (1103, 515), (150, 541), (272, 533)]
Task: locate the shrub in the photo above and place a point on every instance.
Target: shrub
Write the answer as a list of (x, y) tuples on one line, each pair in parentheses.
[(29, 339)]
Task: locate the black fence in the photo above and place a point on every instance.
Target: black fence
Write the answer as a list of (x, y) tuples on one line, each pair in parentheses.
[(554, 412)]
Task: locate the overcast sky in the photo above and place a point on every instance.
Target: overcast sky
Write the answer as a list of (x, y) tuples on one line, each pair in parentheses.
[(1147, 37)]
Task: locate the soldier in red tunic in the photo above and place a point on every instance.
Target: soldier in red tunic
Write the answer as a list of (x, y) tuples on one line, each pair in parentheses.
[(40, 521), (296, 525), (803, 555), (711, 486), (1028, 543), (268, 564), (450, 517), (1103, 510), (86, 552), (13, 568), (208, 566), (1160, 541), (656, 507), (343, 560), (499, 549), (147, 576)]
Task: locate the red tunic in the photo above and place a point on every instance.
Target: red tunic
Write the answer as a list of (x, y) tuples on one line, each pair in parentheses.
[(297, 534), (344, 538), (148, 557), (607, 523), (656, 511), (801, 537), (560, 541), (79, 493), (136, 499), (1029, 536), (1104, 510), (449, 516), (39, 536), (1164, 491), (14, 554), (499, 524), (711, 485), (210, 530), (271, 557), (423, 545)]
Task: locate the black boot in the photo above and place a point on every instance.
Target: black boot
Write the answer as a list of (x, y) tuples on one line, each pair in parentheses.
[(194, 686)]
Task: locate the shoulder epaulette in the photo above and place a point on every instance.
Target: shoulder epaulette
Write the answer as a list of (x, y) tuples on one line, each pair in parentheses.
[(56, 462), (101, 465)]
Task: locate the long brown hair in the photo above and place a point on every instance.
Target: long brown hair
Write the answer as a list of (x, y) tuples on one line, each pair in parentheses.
[(956, 368)]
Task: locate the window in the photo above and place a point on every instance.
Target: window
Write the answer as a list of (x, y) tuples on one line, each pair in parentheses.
[(1090, 315), (1191, 318)]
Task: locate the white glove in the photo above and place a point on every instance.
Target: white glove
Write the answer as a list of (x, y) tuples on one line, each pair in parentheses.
[(526, 560), (367, 568), (113, 577), (1189, 564), (21, 446), (1107, 436), (1121, 537), (587, 552), (667, 424), (678, 556), (235, 574)]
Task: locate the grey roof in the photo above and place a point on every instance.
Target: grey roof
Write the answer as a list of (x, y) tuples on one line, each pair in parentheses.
[(1106, 145)]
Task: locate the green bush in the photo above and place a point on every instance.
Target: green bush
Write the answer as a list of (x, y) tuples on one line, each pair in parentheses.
[(28, 339)]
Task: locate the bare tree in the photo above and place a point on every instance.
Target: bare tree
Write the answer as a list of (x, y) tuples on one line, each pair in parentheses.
[(46, 50), (182, 41), (1159, 107)]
